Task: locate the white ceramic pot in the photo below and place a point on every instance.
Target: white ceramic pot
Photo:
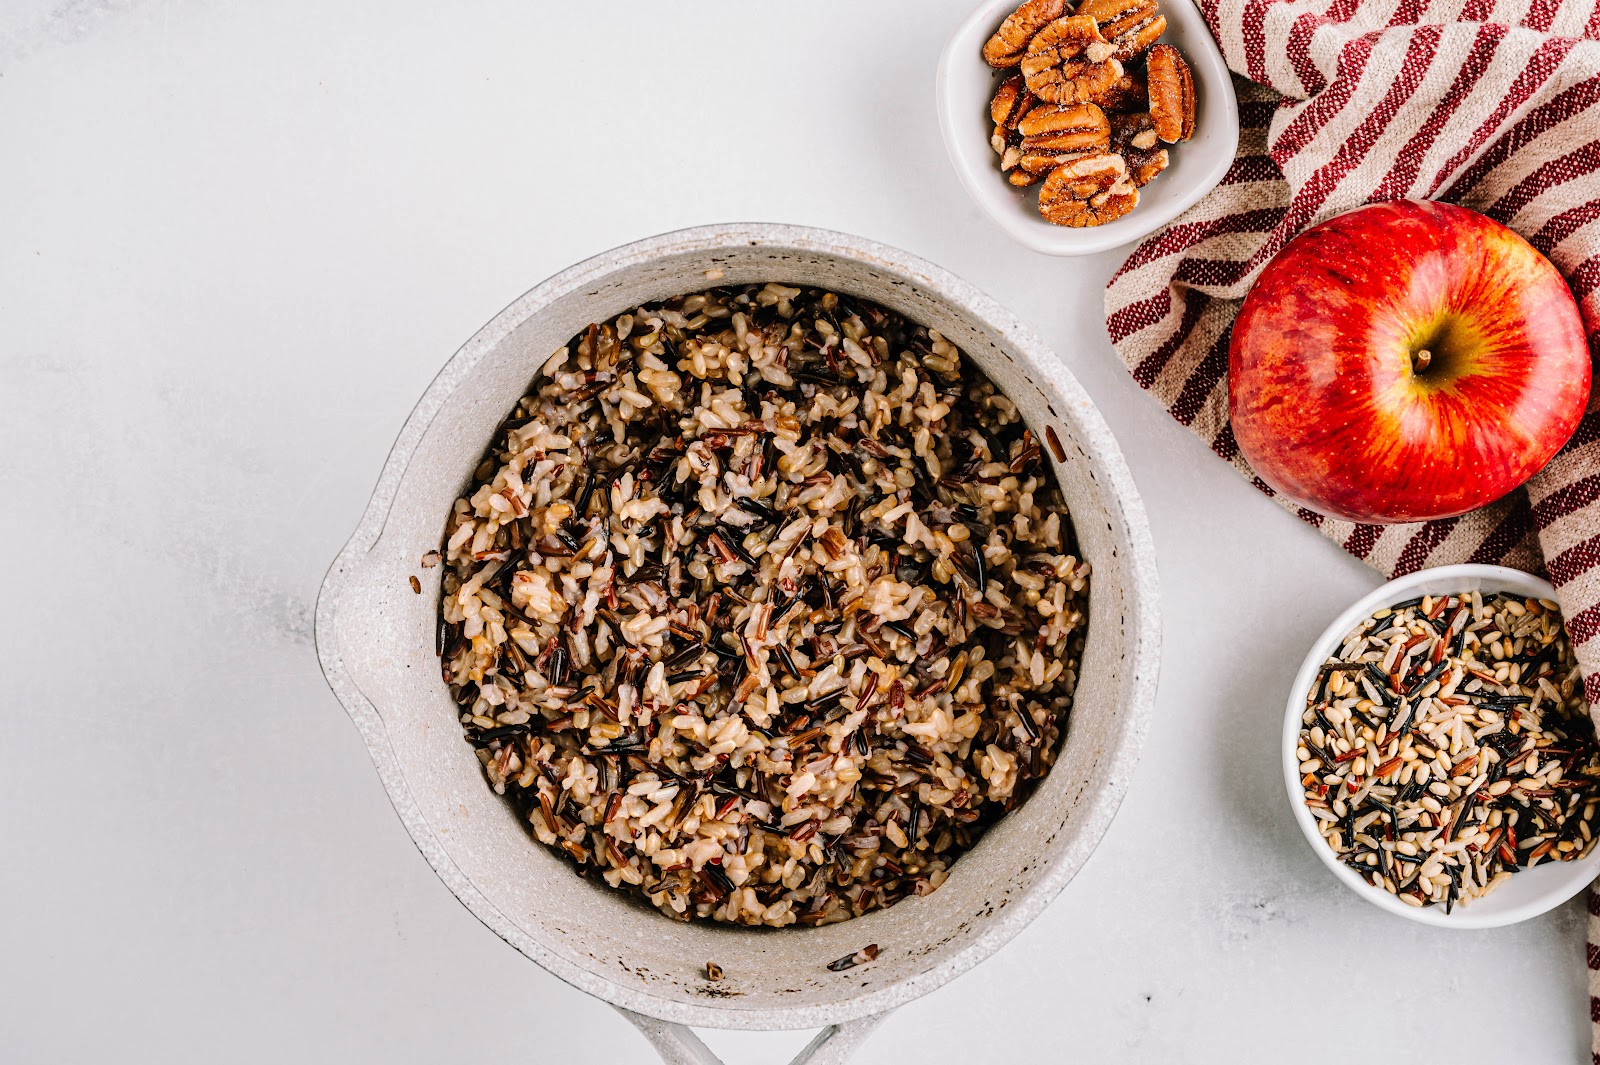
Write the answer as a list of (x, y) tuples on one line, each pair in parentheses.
[(375, 638)]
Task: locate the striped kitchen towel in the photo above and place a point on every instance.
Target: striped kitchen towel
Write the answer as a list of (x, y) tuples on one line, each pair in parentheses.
[(1492, 105)]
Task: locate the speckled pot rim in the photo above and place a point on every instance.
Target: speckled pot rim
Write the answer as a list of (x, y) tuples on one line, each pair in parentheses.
[(1143, 631)]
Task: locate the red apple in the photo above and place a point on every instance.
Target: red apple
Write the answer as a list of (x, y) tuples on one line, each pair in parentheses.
[(1406, 361)]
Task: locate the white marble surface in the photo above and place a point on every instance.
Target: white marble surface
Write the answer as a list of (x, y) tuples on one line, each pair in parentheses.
[(237, 239)]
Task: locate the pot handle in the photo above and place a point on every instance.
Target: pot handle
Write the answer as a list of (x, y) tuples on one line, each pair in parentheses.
[(678, 1045)]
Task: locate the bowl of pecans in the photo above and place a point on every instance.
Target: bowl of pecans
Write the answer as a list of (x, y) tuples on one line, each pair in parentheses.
[(1438, 752), (1078, 128)]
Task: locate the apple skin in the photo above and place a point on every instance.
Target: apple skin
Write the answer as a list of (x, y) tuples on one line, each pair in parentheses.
[(1328, 404)]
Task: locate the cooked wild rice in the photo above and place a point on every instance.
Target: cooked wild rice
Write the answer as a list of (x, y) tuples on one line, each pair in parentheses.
[(1446, 746), (763, 605)]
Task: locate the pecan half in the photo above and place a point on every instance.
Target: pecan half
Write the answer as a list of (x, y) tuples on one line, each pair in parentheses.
[(1144, 166), (1171, 94), (1054, 133), (1068, 61), (1134, 138), (1010, 41), (1127, 93), (1089, 191), (1012, 102), (1130, 25)]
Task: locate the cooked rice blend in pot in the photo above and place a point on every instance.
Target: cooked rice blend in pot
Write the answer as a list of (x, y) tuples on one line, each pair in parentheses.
[(763, 605)]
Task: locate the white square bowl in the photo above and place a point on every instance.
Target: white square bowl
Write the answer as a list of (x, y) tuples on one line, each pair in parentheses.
[(966, 84)]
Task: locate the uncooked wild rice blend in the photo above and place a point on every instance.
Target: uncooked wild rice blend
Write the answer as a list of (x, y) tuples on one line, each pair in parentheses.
[(763, 605), (1446, 746)]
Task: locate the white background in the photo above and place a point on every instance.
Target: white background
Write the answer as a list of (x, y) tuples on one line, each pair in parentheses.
[(236, 241)]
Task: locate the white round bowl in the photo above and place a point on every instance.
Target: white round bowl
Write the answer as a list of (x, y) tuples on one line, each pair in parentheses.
[(966, 84), (1526, 894), (375, 638)]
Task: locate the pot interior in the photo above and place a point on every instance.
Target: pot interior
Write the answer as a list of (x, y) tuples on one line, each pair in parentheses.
[(604, 941)]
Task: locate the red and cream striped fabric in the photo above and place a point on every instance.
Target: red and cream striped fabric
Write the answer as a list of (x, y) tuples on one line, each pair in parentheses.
[(1492, 105)]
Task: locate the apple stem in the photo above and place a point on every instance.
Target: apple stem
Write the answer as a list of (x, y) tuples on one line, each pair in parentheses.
[(1420, 360)]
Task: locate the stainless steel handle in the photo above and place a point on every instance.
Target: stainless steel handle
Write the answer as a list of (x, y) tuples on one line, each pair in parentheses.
[(678, 1045)]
